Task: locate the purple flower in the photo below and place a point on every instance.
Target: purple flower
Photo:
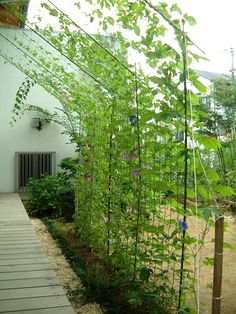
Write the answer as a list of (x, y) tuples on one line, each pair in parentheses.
[(135, 173), (183, 225)]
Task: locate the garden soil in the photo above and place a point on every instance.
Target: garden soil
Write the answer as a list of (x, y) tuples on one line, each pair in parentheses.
[(229, 270)]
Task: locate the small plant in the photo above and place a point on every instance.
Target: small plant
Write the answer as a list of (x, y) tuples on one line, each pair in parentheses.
[(51, 196)]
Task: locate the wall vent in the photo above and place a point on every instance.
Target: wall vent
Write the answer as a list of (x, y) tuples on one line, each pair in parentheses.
[(33, 165)]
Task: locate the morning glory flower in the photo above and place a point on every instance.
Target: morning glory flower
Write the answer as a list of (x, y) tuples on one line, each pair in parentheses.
[(90, 146), (127, 156), (165, 238), (132, 119), (183, 225), (129, 209), (88, 177), (135, 173)]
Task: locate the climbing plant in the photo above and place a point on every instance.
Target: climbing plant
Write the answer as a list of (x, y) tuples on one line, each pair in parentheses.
[(139, 155), (220, 124)]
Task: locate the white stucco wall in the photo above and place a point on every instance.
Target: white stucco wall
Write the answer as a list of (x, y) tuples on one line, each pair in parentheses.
[(22, 137)]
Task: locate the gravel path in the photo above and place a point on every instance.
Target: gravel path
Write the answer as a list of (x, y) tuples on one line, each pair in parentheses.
[(65, 274)]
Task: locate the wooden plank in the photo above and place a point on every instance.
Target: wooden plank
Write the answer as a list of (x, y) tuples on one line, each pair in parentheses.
[(27, 234), (19, 246), (15, 231), (30, 282), (27, 275), (11, 294), (19, 225), (12, 225), (23, 267), (24, 261), (16, 228), (12, 221), (20, 255), (27, 281), (23, 250), (11, 218), (20, 222), (16, 240), (33, 303), (54, 310)]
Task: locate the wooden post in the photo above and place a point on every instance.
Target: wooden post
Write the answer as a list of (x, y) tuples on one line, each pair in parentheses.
[(218, 265)]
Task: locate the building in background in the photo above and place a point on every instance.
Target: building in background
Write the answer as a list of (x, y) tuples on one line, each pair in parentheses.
[(26, 148)]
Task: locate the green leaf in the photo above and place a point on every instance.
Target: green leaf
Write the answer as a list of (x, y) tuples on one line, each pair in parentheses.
[(195, 99), (209, 261), (190, 192), (207, 212), (151, 54), (153, 229), (99, 13), (224, 190), (104, 25), (136, 29), (208, 142), (213, 175), (147, 116), (155, 79), (190, 19), (175, 8), (200, 86), (183, 311), (162, 186), (228, 246), (45, 5), (203, 192), (111, 20), (53, 12)]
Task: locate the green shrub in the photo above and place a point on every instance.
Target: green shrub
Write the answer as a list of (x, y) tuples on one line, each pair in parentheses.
[(69, 165), (51, 196)]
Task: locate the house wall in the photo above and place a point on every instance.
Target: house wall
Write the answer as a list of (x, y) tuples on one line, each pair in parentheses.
[(22, 137)]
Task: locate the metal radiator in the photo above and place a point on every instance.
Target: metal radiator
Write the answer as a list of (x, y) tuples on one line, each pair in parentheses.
[(32, 165)]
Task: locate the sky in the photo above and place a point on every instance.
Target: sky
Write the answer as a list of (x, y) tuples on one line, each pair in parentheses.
[(214, 32)]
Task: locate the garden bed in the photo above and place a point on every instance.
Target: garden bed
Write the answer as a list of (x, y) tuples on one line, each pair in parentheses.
[(70, 281)]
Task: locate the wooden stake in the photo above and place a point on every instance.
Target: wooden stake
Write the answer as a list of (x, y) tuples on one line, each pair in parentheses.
[(218, 265)]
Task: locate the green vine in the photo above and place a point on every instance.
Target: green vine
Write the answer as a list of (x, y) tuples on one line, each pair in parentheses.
[(135, 171)]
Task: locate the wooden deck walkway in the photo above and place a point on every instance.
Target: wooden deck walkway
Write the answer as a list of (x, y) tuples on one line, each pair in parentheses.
[(27, 282)]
